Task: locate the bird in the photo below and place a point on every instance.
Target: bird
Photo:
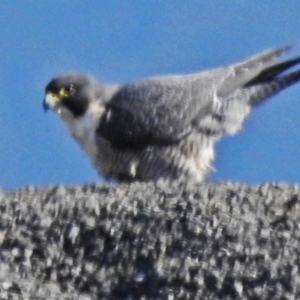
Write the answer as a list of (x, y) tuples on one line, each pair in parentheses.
[(166, 127)]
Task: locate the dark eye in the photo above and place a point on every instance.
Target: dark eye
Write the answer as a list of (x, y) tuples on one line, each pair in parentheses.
[(66, 91), (70, 89)]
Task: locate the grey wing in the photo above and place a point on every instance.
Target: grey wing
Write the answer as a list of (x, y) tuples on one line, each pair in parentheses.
[(155, 111), (164, 110), (247, 84), (243, 72)]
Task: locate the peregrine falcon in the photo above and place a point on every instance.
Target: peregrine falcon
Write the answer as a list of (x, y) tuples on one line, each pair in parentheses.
[(165, 127)]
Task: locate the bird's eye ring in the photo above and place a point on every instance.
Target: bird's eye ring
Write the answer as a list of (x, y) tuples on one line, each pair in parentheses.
[(70, 89), (67, 91)]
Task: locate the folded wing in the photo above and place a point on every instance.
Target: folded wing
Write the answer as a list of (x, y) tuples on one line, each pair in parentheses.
[(164, 110)]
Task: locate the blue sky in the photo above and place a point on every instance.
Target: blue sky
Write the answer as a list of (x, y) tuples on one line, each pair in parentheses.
[(122, 41)]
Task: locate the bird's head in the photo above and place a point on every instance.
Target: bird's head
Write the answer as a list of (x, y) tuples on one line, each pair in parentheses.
[(71, 94)]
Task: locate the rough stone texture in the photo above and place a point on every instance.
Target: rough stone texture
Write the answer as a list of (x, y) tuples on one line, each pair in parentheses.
[(147, 241)]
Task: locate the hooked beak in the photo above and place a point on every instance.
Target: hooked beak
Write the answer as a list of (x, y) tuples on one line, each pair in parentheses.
[(46, 106), (50, 101)]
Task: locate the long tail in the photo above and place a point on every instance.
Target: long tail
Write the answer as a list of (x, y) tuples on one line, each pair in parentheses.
[(270, 87), (252, 70), (270, 73)]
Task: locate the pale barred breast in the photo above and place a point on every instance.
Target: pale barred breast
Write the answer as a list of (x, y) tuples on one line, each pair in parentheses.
[(191, 159)]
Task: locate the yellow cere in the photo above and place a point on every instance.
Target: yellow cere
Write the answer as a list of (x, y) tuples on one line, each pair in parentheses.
[(52, 99), (52, 95)]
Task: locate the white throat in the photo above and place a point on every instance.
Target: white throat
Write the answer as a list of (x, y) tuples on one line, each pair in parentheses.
[(84, 128)]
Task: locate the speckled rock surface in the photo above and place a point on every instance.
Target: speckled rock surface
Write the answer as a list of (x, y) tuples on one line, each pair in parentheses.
[(147, 241)]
